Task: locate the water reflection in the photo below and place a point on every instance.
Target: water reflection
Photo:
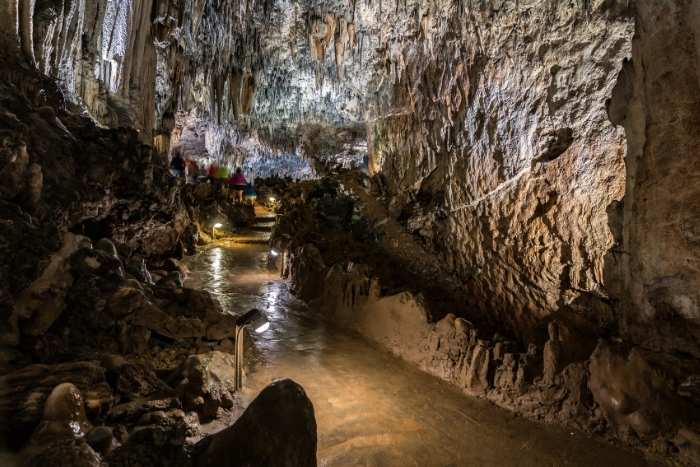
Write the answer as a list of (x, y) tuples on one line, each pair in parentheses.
[(371, 408)]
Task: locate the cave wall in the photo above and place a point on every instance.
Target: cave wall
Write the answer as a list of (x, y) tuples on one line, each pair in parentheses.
[(653, 270), (101, 52), (547, 154), (532, 144), (497, 141)]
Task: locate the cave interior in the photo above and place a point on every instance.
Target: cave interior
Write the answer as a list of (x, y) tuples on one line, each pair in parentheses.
[(500, 195)]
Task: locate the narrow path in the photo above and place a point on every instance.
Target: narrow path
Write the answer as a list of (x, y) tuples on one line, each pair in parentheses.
[(373, 409)]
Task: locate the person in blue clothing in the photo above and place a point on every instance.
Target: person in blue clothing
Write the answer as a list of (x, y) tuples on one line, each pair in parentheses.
[(249, 194)]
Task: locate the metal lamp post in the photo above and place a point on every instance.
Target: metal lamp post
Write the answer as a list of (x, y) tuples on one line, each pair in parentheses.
[(213, 231), (260, 323)]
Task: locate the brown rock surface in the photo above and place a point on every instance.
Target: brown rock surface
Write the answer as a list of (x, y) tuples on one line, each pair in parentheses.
[(277, 428), (24, 392)]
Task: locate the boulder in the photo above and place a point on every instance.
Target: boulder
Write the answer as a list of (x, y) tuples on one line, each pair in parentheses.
[(278, 428), (634, 393), (98, 401), (135, 340), (156, 446), (172, 279), (137, 268), (106, 245), (39, 305), (690, 389), (400, 323), (463, 326), (445, 326), (240, 215), (688, 443), (66, 453), (63, 418), (201, 389), (23, 393), (133, 381), (101, 440), (172, 264), (100, 263)]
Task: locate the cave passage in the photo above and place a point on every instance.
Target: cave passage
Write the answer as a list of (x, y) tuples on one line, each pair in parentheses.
[(372, 408), (475, 232)]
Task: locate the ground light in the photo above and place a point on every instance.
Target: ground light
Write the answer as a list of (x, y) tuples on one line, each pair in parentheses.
[(260, 323), (213, 231)]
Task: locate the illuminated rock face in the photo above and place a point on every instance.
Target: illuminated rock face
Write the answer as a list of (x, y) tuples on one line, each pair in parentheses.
[(544, 152), (503, 140)]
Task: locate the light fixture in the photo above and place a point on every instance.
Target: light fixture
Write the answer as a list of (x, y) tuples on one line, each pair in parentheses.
[(272, 199), (273, 252), (260, 323), (213, 231)]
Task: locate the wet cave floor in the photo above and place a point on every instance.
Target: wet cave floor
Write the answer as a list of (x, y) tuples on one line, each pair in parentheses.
[(373, 409)]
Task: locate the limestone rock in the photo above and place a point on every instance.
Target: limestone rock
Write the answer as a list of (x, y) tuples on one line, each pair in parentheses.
[(98, 400), (14, 161), (553, 351), (133, 381), (308, 281), (633, 393), (400, 323), (463, 326), (172, 264), (506, 372), (153, 445), (201, 389), (40, 304), (477, 379), (63, 418), (107, 246), (97, 262), (101, 440), (172, 279), (24, 392), (277, 428), (137, 268), (690, 389), (688, 444), (66, 453)]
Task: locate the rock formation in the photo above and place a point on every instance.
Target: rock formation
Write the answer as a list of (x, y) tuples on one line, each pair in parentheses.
[(525, 221), (352, 262)]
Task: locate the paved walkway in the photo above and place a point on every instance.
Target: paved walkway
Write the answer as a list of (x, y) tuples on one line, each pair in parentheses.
[(373, 409)]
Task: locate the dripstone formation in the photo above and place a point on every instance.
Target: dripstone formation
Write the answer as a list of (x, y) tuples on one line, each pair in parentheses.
[(503, 192)]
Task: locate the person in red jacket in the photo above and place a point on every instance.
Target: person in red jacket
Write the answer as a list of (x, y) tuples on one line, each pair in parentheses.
[(213, 172), (237, 184)]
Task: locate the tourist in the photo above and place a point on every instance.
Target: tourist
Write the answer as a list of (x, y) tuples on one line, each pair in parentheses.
[(177, 165), (249, 194), (223, 172), (192, 170), (213, 172), (237, 183)]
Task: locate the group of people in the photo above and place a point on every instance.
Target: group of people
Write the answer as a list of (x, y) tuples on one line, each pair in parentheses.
[(238, 187), (189, 167)]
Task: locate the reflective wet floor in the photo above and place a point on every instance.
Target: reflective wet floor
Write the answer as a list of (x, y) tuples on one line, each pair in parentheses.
[(373, 409)]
